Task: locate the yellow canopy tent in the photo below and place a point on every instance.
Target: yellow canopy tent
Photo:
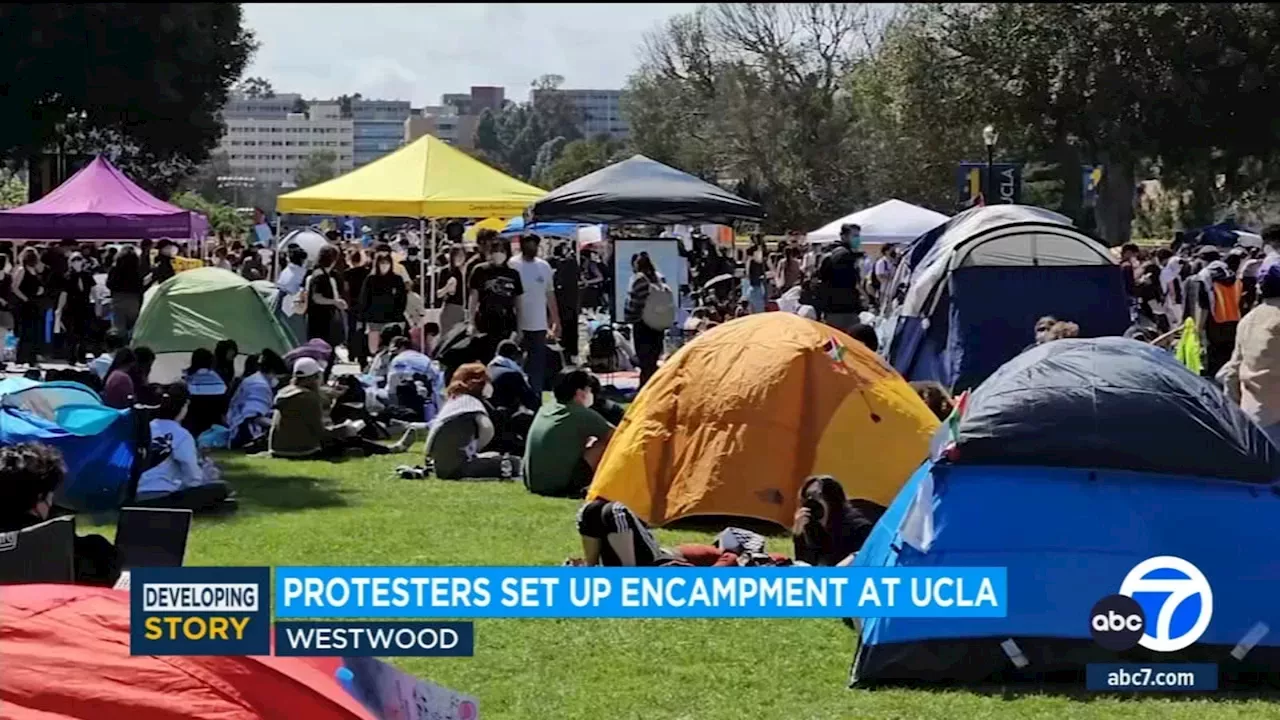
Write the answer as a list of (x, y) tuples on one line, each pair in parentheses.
[(427, 178), (424, 179)]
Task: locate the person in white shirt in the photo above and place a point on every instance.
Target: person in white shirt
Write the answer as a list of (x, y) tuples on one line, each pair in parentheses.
[(884, 269), (180, 478), (536, 310), (290, 283)]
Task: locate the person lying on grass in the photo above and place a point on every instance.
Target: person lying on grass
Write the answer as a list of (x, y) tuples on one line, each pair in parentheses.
[(463, 429), (613, 536), (298, 427), (566, 439), (829, 527)]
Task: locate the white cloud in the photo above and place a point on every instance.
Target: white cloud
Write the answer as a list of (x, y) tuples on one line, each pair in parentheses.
[(418, 52)]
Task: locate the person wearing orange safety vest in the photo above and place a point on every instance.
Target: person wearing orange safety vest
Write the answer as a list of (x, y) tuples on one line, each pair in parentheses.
[(1218, 313)]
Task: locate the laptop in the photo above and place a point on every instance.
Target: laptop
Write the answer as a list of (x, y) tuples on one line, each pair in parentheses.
[(152, 537), (43, 553)]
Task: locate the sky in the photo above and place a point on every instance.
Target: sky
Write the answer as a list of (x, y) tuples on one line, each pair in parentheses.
[(418, 52)]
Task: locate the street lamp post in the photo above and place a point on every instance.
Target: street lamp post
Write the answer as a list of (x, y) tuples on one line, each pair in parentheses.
[(989, 138)]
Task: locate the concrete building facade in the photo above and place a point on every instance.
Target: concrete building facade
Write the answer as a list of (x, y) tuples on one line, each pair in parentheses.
[(377, 128), (267, 142), (600, 111)]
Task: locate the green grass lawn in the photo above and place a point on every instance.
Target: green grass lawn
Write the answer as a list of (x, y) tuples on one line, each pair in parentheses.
[(359, 513)]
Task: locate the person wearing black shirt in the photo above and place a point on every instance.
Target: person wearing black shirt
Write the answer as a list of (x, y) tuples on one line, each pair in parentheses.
[(828, 526), (323, 301), (566, 283), (163, 269), (756, 291), (412, 265), (73, 315), (839, 279), (124, 280), (353, 283), (30, 474), (494, 287)]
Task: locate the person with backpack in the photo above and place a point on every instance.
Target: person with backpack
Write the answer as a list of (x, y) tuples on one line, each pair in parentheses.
[(651, 310)]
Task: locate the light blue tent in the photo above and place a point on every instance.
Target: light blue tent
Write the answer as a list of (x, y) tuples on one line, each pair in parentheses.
[(97, 442)]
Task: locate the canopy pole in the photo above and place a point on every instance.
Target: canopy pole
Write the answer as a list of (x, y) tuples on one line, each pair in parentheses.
[(275, 257), (429, 262)]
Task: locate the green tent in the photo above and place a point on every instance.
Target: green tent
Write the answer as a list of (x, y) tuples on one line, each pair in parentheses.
[(197, 308)]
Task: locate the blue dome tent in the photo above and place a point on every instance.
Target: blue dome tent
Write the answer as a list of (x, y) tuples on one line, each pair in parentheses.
[(1070, 465), (98, 443), (969, 292)]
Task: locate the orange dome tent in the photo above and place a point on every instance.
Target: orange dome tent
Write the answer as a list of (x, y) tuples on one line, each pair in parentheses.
[(736, 420), (65, 651)]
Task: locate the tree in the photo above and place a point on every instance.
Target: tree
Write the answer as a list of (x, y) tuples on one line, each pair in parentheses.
[(204, 180), (13, 191), (581, 157), (547, 156), (514, 138), (159, 76), (256, 87), (753, 91), (315, 168), (223, 218), (301, 106)]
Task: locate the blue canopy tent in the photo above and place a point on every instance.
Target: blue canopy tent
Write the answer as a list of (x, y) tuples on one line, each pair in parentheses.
[(1072, 464), (551, 229), (97, 442), (969, 292), (1225, 234)]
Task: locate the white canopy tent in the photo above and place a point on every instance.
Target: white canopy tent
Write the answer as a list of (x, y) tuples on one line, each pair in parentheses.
[(892, 221)]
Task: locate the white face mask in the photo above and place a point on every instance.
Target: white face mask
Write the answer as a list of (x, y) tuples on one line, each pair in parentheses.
[(497, 257), (588, 399), (487, 392), (77, 264)]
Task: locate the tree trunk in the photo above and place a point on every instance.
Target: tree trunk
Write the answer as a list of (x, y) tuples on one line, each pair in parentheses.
[(1116, 193), (1069, 172)]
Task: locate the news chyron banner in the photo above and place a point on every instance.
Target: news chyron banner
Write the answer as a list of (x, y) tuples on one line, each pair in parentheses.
[(380, 611)]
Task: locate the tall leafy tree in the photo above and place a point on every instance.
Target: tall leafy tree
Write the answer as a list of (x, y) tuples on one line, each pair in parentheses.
[(315, 168), (144, 80)]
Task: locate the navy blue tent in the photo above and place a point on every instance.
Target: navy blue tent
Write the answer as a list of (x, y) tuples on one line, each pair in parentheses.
[(968, 294), (1110, 419)]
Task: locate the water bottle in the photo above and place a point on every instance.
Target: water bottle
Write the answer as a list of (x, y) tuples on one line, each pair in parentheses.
[(506, 467)]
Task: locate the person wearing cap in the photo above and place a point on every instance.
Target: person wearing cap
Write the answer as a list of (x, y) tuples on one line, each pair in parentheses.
[(73, 313), (1251, 376), (163, 269), (298, 426)]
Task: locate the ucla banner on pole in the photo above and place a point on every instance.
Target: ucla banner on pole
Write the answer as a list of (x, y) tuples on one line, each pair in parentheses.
[(569, 592)]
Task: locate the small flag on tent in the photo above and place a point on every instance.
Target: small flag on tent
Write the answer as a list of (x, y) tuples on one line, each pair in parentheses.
[(834, 350)]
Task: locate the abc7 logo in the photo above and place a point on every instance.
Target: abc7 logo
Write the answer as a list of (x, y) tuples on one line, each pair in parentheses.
[(1117, 622)]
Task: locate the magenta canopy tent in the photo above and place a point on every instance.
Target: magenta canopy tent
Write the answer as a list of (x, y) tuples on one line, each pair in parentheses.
[(100, 203)]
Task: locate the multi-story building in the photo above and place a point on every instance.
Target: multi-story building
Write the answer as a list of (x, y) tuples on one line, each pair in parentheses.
[(600, 111), (268, 145), (455, 119), (377, 128)]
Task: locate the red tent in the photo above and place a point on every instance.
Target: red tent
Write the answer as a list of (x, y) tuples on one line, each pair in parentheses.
[(65, 652)]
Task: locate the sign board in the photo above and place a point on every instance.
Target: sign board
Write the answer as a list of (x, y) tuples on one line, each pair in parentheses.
[(1090, 175), (391, 694), (971, 181)]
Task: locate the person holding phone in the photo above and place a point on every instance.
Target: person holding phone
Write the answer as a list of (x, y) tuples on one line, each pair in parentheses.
[(829, 527)]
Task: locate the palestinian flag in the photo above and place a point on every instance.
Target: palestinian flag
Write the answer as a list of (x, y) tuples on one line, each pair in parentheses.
[(957, 411), (834, 350)]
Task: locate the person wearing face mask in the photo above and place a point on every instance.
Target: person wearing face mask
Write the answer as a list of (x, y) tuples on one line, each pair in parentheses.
[(463, 429), (449, 290), (73, 315), (382, 299), (566, 439), (538, 316), (495, 289), (163, 269), (839, 298), (30, 474), (249, 413)]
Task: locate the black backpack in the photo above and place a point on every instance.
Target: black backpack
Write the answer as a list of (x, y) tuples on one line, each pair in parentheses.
[(602, 349)]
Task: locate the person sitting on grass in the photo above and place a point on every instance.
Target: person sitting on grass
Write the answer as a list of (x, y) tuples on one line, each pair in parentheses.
[(463, 429), (180, 478), (249, 414), (829, 528), (611, 410), (566, 439), (208, 392), (30, 474), (298, 427)]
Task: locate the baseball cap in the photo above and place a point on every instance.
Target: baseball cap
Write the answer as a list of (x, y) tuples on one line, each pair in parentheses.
[(306, 367)]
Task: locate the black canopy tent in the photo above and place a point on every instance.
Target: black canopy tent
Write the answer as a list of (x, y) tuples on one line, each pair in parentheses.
[(642, 191)]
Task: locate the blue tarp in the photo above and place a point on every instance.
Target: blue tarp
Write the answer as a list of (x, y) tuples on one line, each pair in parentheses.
[(553, 229), (1068, 538), (98, 465), (1111, 403)]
